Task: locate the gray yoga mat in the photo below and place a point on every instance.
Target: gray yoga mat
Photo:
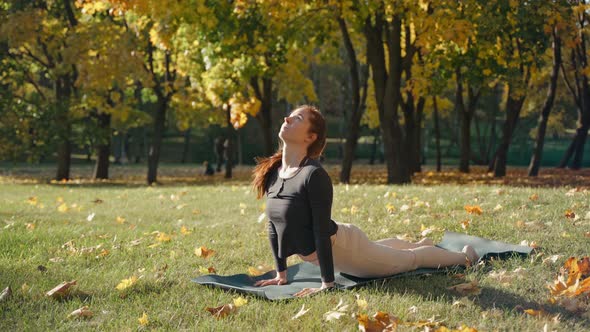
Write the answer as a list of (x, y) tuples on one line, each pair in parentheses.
[(307, 275)]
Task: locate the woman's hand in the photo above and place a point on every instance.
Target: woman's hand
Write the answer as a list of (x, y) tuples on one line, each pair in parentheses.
[(309, 291), (280, 279)]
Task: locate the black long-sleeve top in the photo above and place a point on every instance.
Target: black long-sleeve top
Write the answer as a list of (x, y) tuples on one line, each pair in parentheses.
[(299, 210)]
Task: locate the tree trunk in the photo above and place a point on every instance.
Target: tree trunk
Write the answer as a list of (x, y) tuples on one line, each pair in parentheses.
[(229, 150), (436, 134), (64, 150), (103, 150), (513, 108), (156, 144), (547, 105), (186, 146), (358, 103), (419, 155), (465, 119), (374, 146), (387, 92), (411, 117), (64, 158), (576, 148), (264, 116)]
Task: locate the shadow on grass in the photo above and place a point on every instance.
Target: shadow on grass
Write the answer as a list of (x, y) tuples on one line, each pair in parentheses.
[(489, 298)]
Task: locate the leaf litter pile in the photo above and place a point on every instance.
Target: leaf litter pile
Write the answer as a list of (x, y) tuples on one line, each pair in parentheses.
[(360, 174)]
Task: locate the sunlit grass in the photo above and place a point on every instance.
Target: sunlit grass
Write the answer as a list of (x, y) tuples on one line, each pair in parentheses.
[(35, 255)]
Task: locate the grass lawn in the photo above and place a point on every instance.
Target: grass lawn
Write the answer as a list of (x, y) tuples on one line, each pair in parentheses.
[(101, 233)]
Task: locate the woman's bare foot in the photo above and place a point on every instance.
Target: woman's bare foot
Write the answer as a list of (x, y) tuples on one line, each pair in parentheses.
[(425, 242), (470, 255)]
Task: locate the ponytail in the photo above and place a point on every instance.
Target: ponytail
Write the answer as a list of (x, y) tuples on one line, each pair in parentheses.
[(263, 168)]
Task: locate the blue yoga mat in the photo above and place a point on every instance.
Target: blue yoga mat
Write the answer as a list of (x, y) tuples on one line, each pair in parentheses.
[(307, 275)]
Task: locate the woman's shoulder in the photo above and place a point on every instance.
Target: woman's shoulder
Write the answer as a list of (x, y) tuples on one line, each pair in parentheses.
[(313, 169)]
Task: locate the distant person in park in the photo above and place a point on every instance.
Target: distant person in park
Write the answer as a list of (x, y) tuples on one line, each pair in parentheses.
[(207, 169), (219, 147), (299, 202)]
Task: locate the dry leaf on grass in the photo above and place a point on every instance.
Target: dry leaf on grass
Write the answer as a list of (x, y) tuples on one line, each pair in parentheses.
[(301, 312), (536, 313), (61, 290), (425, 231), (361, 303), (468, 288), (240, 301), (204, 252), (222, 311), (258, 270), (571, 289), (551, 259), (83, 312), (6, 293), (473, 209), (381, 321), (336, 313), (465, 223), (184, 230), (163, 237), (205, 270), (127, 283), (143, 320)]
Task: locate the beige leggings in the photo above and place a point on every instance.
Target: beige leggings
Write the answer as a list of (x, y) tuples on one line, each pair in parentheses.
[(356, 255)]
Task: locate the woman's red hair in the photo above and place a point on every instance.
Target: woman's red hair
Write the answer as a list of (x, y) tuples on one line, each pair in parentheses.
[(314, 150)]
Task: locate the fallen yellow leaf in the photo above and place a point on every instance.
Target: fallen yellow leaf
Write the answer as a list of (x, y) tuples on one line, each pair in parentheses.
[(534, 312), (473, 209), (63, 207), (205, 270), (163, 237), (103, 253), (126, 283), (184, 230), (240, 301), (143, 320)]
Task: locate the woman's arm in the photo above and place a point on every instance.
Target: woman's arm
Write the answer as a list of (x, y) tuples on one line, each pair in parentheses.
[(280, 263), (320, 192)]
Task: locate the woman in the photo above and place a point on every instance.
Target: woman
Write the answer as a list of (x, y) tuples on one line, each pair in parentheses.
[(299, 203)]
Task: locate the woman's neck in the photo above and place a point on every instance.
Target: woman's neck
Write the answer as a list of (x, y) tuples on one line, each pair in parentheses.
[(293, 155)]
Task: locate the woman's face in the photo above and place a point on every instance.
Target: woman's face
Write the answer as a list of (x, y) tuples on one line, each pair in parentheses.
[(295, 129)]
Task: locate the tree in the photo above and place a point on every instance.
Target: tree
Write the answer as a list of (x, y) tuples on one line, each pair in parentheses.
[(577, 59), (359, 76), (536, 158), (38, 35), (520, 47)]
